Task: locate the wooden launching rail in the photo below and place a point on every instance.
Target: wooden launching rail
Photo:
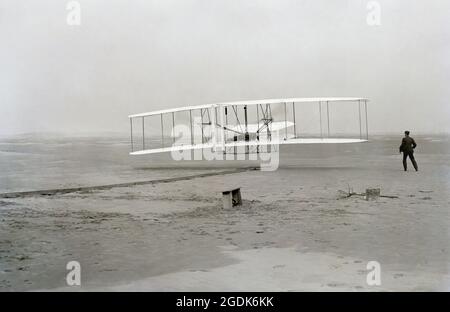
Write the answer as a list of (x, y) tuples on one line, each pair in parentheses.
[(52, 192)]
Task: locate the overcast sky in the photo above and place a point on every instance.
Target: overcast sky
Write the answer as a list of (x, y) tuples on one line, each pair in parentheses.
[(135, 56)]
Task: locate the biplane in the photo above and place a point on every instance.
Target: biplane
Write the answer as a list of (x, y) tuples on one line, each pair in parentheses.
[(252, 125)]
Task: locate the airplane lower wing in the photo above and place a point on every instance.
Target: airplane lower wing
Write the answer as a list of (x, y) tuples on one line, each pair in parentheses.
[(219, 147)]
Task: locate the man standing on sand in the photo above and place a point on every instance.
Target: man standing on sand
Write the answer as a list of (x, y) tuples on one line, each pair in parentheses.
[(407, 147)]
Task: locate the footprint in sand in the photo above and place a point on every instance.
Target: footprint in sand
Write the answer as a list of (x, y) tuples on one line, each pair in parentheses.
[(108, 270), (334, 266), (278, 266), (335, 284)]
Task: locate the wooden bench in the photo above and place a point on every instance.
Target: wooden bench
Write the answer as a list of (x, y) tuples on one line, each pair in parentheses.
[(231, 198)]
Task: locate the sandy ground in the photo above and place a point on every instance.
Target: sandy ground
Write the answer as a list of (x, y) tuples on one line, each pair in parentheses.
[(292, 233)]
